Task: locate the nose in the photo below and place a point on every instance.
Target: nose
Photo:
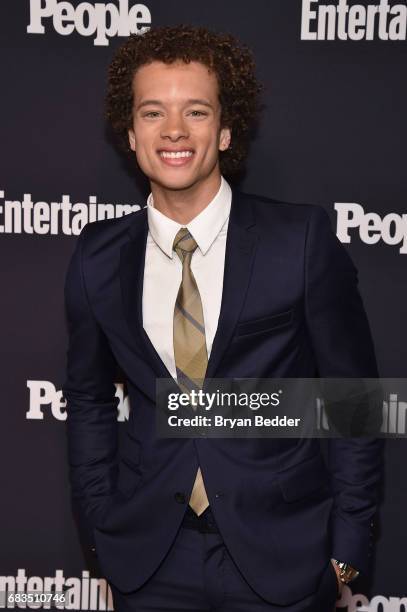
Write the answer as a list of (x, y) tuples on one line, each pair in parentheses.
[(174, 128)]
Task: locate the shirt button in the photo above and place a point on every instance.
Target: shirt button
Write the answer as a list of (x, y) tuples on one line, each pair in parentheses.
[(179, 497), (218, 494)]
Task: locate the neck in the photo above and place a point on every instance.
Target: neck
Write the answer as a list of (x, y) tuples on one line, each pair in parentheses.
[(182, 205)]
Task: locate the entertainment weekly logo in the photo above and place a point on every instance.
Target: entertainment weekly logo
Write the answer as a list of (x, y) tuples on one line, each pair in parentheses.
[(343, 20), (394, 416), (80, 593), (26, 216), (102, 20)]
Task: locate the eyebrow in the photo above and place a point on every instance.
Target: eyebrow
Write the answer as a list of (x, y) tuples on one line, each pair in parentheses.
[(200, 101)]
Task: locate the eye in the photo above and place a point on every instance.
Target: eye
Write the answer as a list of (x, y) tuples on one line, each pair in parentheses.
[(197, 113), (152, 114)]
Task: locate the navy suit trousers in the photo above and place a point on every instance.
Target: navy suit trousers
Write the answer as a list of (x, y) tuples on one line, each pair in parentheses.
[(199, 575)]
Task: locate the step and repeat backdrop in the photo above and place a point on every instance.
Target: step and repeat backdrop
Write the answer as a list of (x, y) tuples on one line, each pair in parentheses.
[(333, 131)]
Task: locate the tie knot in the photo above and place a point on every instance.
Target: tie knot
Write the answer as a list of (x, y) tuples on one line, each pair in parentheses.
[(184, 242)]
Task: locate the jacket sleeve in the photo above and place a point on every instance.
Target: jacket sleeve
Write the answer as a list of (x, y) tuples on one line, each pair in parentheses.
[(89, 391), (343, 348)]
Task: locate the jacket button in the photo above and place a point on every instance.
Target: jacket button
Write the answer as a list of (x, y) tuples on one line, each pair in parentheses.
[(179, 497)]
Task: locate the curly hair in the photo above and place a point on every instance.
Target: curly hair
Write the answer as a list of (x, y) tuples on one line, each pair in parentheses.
[(230, 60)]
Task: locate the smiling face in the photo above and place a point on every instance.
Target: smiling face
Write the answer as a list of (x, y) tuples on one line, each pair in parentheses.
[(176, 131)]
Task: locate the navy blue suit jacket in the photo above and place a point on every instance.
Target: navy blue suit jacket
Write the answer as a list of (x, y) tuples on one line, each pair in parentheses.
[(290, 308)]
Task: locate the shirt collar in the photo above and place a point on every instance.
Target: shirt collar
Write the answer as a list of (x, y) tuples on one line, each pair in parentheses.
[(204, 227)]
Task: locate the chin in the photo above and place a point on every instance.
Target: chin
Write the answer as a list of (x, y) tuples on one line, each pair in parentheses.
[(175, 182)]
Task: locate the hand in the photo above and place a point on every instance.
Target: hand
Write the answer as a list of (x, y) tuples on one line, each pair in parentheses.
[(340, 583)]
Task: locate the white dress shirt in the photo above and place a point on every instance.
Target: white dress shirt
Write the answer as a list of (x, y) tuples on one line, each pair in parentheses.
[(163, 270)]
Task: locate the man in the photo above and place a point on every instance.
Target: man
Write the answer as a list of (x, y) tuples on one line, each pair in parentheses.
[(210, 282)]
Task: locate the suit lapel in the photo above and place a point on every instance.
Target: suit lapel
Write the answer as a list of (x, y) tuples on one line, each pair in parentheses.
[(132, 259), (239, 257), (241, 244)]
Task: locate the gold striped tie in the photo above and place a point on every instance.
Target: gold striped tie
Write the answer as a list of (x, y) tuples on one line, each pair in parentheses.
[(191, 358)]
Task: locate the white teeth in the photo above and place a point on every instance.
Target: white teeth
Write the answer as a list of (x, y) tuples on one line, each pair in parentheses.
[(175, 155)]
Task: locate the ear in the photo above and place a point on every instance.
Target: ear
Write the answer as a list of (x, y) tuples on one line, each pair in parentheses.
[(132, 140), (224, 139)]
